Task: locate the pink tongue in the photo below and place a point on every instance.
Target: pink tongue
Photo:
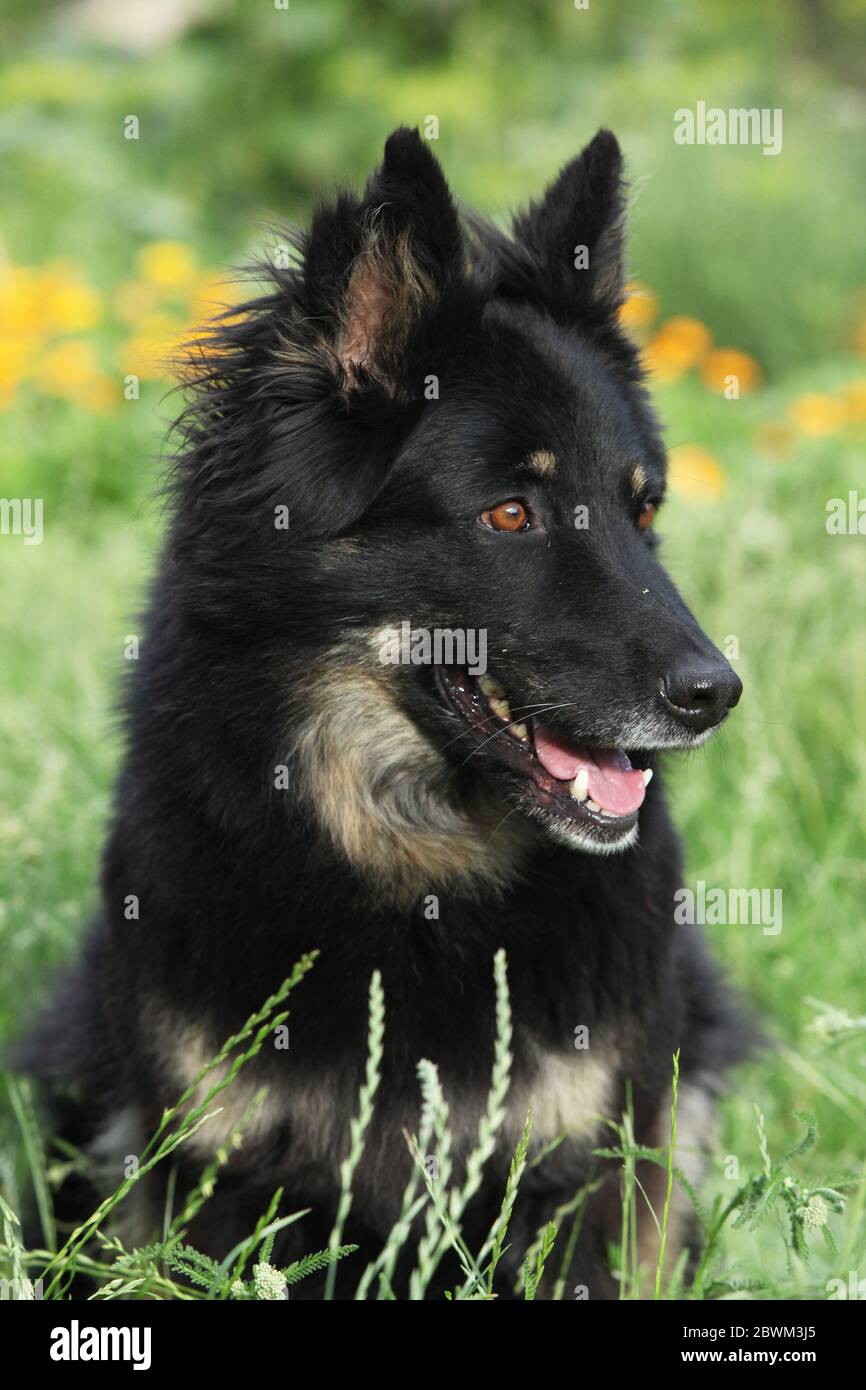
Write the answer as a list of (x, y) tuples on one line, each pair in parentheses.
[(613, 783)]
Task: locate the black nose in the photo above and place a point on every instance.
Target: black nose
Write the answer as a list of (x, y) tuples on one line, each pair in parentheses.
[(700, 691)]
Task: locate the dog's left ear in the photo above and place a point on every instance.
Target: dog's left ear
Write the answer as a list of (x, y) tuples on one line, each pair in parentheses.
[(378, 268), (574, 237)]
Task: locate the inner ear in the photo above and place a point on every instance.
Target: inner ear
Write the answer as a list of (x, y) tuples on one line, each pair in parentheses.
[(385, 297), (379, 267), (369, 302)]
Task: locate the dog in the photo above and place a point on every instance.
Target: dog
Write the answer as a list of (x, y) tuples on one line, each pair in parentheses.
[(426, 441)]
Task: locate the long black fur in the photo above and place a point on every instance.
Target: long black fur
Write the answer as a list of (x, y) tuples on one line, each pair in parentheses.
[(235, 877)]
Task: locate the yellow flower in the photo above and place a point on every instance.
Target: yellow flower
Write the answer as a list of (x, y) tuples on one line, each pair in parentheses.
[(212, 294), (71, 370), (68, 367), (16, 361), (170, 265), (817, 415), (679, 343), (135, 298), (854, 399), (694, 474), (99, 394), (69, 305), (148, 352), (22, 304), (722, 363), (640, 306)]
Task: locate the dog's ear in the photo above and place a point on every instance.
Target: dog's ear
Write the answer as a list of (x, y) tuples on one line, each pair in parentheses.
[(376, 268), (568, 250), (301, 397)]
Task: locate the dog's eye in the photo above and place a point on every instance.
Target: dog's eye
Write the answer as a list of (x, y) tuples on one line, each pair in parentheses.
[(507, 516), (646, 515)]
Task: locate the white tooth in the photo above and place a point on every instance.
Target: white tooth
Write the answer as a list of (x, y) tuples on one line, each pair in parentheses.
[(580, 786), (491, 687), (500, 707), (593, 805), (520, 731), (647, 776)]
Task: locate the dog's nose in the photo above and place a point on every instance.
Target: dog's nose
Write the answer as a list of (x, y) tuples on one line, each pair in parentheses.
[(700, 691)]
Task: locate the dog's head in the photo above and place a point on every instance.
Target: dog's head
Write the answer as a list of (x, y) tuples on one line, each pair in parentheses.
[(433, 472)]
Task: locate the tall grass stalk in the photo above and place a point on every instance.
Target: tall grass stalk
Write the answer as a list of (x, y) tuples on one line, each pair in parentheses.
[(360, 1123), (257, 1027), (670, 1177)]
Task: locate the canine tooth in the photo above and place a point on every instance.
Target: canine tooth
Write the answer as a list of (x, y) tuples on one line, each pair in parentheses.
[(647, 776), (500, 707), (491, 687), (593, 805), (580, 786), (520, 731)]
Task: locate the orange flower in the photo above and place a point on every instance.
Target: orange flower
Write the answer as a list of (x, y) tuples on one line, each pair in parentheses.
[(817, 415), (723, 363), (640, 306), (678, 345), (694, 474)]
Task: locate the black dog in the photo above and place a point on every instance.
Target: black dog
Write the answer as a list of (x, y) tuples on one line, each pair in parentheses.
[(427, 440)]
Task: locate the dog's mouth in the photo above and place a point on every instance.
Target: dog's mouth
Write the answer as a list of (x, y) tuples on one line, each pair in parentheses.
[(587, 794)]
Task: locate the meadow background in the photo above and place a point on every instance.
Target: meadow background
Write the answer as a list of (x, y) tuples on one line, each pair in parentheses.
[(111, 249)]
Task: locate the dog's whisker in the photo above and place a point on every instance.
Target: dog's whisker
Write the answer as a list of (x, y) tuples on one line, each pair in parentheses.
[(498, 827), (506, 727), (521, 709)]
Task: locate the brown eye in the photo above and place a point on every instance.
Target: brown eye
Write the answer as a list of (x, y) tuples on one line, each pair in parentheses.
[(646, 516), (508, 516)]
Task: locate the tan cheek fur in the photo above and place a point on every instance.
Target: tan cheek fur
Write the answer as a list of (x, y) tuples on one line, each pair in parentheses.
[(384, 795)]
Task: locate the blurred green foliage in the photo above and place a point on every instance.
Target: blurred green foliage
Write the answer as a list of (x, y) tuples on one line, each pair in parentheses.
[(249, 111)]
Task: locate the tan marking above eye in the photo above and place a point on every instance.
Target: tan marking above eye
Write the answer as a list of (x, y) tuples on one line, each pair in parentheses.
[(542, 462), (638, 479), (506, 516)]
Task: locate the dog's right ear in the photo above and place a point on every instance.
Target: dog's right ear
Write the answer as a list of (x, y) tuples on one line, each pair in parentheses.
[(376, 269)]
